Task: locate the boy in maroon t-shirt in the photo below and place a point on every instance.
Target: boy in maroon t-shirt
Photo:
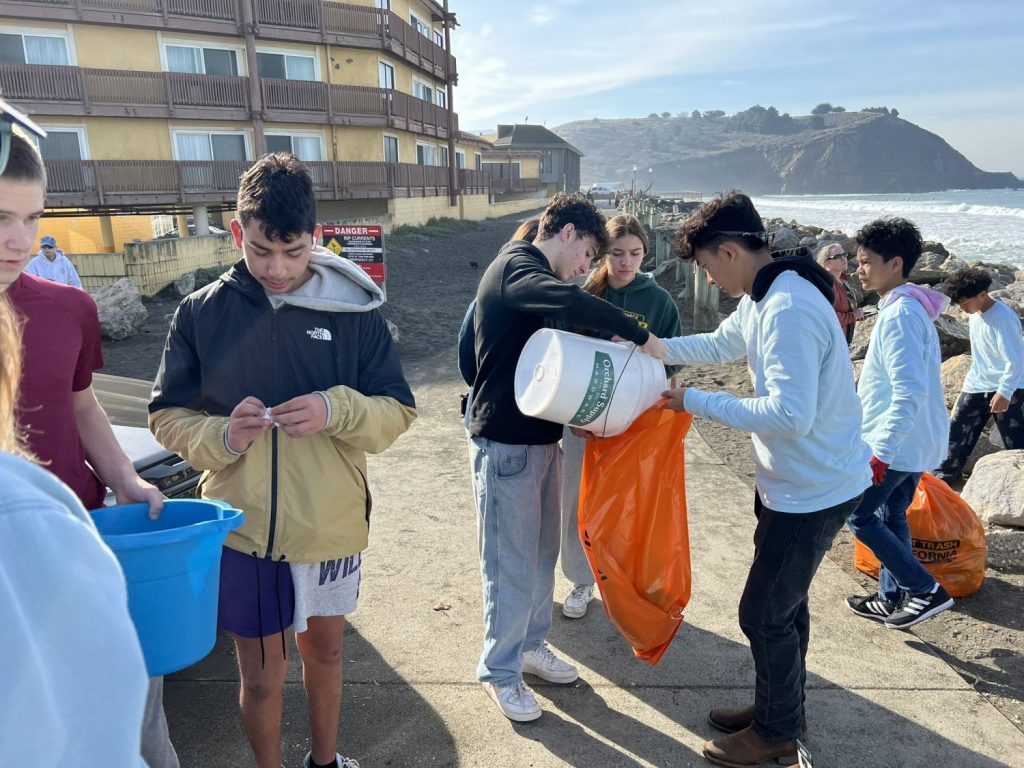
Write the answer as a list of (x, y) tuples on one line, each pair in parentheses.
[(63, 423)]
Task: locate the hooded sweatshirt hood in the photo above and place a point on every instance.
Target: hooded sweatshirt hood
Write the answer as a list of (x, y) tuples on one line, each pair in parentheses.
[(804, 265), (337, 285), (932, 301), (642, 282)]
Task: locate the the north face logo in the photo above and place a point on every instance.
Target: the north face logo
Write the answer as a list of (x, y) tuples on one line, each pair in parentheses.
[(320, 334)]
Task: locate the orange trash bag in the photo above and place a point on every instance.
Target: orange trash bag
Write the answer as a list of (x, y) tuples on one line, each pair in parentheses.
[(947, 537), (632, 521)]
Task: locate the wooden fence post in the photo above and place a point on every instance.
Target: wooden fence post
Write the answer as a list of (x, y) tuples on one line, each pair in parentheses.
[(705, 301)]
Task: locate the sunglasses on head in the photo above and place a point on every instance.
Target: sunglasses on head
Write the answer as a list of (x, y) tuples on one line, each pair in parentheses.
[(8, 117)]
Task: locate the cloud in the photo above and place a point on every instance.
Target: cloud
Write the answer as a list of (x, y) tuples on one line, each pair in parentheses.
[(541, 15)]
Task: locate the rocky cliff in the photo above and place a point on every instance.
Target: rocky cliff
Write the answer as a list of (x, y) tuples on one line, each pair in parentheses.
[(838, 153)]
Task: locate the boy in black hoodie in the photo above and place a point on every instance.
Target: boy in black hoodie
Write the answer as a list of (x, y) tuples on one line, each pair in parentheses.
[(517, 464)]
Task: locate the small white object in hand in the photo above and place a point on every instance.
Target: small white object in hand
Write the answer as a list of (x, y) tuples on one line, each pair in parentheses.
[(268, 418)]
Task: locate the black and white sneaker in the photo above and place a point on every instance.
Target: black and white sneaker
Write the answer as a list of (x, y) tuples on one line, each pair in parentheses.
[(914, 609), (872, 606)]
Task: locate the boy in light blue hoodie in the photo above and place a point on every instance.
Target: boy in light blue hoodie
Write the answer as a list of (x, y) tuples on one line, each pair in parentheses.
[(994, 386), (904, 422), (811, 465)]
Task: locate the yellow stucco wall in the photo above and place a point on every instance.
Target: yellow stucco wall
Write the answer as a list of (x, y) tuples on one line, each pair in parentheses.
[(117, 48), (419, 210), (367, 144), (111, 138), (84, 234)]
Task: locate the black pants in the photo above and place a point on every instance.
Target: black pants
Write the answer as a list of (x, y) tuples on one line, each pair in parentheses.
[(788, 548), (970, 417)]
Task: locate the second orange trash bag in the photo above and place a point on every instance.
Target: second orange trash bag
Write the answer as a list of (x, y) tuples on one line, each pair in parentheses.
[(632, 519)]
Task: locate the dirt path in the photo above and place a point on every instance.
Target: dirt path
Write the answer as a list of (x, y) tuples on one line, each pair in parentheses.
[(431, 282)]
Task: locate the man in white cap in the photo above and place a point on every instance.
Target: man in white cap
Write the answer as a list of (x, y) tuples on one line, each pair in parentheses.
[(50, 263)]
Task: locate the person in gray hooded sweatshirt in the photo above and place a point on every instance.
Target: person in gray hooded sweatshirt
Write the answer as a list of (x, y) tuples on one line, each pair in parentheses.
[(276, 380)]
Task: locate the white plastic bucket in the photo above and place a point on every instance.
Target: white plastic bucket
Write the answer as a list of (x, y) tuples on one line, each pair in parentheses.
[(596, 385)]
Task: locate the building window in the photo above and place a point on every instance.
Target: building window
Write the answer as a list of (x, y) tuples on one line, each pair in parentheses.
[(421, 26), (443, 157), (391, 149), (546, 165), (387, 76), (438, 39), (33, 49), (477, 161), (281, 66), (426, 154), (308, 148), (63, 143), (442, 98), (207, 145), (460, 158), (384, 5), (422, 91), (201, 61)]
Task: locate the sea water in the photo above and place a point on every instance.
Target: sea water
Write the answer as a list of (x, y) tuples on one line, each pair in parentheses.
[(974, 224)]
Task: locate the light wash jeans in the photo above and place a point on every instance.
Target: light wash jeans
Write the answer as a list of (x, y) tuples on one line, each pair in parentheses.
[(880, 522), (575, 565), (517, 489)]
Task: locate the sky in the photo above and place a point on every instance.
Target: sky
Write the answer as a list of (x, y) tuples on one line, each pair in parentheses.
[(953, 67)]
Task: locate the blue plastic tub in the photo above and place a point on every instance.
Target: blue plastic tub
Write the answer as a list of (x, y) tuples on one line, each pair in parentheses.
[(172, 566)]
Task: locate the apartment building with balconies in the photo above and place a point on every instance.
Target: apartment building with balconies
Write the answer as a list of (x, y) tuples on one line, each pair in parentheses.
[(157, 106)]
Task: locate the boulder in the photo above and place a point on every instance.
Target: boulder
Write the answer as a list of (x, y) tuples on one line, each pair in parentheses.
[(954, 338), (953, 264), (121, 311), (785, 239), (1002, 274), (934, 247), (995, 490), (185, 284), (953, 372), (1012, 296), (929, 269), (861, 337)]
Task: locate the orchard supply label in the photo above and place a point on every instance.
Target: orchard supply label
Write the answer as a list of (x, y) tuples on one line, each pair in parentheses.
[(599, 391)]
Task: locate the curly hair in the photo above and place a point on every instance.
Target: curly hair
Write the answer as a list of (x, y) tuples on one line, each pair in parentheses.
[(278, 192), (891, 237), (574, 209), (706, 228), (967, 283), (618, 226)]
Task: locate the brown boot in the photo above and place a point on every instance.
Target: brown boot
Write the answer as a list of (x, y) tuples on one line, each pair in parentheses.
[(745, 749), (732, 719)]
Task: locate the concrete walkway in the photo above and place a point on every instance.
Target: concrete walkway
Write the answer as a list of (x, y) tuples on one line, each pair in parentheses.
[(875, 697)]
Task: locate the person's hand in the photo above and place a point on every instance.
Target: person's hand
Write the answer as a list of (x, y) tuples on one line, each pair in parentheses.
[(858, 314), (654, 347), (133, 489), (998, 404), (878, 470), (246, 423), (301, 416), (675, 399)]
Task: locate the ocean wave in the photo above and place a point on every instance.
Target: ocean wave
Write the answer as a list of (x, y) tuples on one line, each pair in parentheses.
[(908, 208)]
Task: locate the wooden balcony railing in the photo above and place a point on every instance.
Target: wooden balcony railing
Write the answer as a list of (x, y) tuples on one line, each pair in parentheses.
[(474, 182), (95, 183), (314, 21), (53, 90), (499, 186)]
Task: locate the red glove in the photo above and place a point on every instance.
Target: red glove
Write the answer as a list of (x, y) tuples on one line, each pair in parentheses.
[(878, 469)]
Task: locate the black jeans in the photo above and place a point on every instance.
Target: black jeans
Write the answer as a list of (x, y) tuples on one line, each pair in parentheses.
[(788, 548), (970, 417)]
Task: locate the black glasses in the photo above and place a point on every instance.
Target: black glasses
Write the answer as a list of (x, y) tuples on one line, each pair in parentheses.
[(837, 256), (764, 237), (8, 117)]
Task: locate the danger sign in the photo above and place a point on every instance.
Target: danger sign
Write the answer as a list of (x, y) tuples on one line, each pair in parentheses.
[(360, 243)]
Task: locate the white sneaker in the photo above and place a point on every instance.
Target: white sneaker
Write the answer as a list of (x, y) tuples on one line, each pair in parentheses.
[(515, 701), (575, 605), (342, 762), (545, 665)]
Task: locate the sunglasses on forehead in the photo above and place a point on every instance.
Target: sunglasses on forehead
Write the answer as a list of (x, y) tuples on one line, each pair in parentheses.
[(8, 117), (763, 237)]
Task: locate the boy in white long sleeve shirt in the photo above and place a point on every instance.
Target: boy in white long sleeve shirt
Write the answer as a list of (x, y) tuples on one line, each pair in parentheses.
[(904, 422), (806, 487), (994, 386)]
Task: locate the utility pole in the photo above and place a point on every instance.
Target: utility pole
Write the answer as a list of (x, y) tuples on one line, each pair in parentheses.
[(255, 88), (453, 176)]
